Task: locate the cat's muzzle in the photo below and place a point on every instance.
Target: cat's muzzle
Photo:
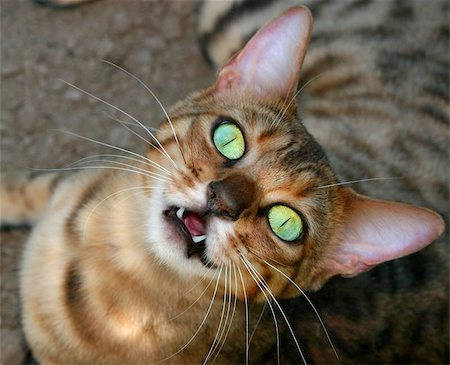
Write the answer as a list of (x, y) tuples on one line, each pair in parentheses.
[(191, 225)]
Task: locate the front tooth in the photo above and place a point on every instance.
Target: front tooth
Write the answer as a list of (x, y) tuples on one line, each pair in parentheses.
[(198, 239), (180, 213)]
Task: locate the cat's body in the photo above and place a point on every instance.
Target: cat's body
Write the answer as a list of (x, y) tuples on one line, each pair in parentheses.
[(98, 299), (94, 292)]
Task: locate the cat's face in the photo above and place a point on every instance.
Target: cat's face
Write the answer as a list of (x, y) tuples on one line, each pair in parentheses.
[(245, 186)]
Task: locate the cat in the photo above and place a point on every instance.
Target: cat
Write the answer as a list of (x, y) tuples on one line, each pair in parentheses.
[(237, 153)]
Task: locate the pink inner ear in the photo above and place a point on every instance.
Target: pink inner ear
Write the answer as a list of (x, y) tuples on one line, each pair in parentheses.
[(270, 62), (377, 231)]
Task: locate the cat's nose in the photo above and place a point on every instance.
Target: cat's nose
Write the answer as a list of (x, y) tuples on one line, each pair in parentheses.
[(231, 196)]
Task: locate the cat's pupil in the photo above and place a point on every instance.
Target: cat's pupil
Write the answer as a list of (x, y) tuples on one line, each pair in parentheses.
[(226, 144)]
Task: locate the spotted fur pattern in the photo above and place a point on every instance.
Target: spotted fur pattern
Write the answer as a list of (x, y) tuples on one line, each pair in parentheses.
[(376, 97), (97, 273)]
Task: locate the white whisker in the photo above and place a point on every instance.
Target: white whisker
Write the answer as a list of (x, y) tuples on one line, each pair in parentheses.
[(257, 323), (279, 114), (145, 187), (193, 303), (123, 124), (195, 285), (358, 181), (155, 97), (98, 168), (246, 316), (135, 168), (219, 327), (162, 169), (270, 307), (232, 315), (264, 283), (110, 146), (201, 324), (310, 303), (112, 117), (136, 134), (119, 157), (128, 115), (261, 257), (279, 118)]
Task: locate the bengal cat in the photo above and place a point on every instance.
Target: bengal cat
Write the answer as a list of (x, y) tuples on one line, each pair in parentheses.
[(236, 208)]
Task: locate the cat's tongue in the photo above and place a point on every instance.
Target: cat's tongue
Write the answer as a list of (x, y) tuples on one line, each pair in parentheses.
[(194, 223)]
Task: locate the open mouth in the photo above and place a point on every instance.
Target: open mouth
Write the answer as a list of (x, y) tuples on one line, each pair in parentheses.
[(191, 225)]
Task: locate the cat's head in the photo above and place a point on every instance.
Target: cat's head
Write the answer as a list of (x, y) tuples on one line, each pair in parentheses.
[(246, 185)]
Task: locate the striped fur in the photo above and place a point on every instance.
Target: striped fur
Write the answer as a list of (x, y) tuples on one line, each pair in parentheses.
[(376, 80), (100, 285)]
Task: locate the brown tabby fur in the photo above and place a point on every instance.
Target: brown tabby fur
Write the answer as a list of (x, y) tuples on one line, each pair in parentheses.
[(101, 302), (92, 290)]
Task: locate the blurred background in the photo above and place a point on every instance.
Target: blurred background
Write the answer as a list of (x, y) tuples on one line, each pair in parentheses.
[(155, 40)]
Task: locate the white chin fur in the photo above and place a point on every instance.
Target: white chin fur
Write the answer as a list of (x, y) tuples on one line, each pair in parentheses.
[(219, 233)]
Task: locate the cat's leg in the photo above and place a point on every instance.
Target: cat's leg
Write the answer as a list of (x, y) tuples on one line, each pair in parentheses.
[(61, 3), (24, 196)]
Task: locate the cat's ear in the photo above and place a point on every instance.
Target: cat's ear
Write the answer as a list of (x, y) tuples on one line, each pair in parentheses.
[(376, 231), (270, 63)]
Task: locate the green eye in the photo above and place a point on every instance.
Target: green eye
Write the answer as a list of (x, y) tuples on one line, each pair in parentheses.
[(229, 140), (285, 223)]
